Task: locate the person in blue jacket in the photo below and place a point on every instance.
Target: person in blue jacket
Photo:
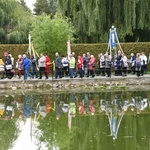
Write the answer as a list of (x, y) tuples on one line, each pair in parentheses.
[(26, 66)]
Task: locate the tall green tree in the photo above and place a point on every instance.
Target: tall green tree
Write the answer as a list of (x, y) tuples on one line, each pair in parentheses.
[(41, 6), (93, 19), (45, 6), (23, 3), (50, 35), (53, 4)]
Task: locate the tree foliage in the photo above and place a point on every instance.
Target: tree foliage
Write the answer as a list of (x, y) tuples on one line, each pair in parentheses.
[(15, 22), (50, 35), (45, 6), (41, 6), (93, 19), (23, 3)]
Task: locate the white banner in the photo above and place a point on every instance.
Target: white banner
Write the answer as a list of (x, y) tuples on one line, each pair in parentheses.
[(68, 48)]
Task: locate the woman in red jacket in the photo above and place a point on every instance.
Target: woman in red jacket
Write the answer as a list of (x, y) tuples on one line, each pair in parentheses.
[(47, 62), (91, 66), (80, 66)]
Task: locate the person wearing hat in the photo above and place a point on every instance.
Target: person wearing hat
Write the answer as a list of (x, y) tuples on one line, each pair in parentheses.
[(8, 66)]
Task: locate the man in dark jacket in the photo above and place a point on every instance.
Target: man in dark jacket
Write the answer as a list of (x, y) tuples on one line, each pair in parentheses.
[(58, 66)]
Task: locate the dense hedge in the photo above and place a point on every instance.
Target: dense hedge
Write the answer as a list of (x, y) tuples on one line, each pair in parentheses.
[(128, 48), (14, 49)]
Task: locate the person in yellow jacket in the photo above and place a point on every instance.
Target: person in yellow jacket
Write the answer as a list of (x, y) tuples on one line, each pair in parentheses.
[(2, 68), (72, 66)]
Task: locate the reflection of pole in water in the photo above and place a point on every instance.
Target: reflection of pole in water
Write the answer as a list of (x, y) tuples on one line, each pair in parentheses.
[(31, 128), (69, 120), (114, 121), (72, 110)]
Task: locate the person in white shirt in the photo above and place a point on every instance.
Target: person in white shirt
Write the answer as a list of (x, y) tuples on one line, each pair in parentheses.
[(124, 65), (42, 64), (149, 58), (65, 66)]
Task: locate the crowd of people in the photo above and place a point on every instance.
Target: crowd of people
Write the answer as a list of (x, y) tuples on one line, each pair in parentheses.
[(33, 67), (85, 65)]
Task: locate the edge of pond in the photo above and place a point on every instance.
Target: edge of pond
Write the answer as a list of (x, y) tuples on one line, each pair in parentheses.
[(76, 85)]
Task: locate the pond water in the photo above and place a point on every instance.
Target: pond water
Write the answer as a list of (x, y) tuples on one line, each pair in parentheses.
[(118, 120)]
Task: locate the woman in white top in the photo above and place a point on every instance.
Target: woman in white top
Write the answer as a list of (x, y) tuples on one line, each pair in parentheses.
[(42, 65), (124, 65)]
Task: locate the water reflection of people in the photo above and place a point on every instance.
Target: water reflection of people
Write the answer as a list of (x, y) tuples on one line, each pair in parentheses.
[(44, 107), (9, 112), (138, 103), (2, 109), (116, 109), (92, 107), (80, 107), (9, 108), (61, 107)]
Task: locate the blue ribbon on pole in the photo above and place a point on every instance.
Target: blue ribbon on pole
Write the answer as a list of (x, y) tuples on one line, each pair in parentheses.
[(112, 38)]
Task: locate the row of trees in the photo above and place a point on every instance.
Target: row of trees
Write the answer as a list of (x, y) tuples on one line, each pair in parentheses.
[(90, 19)]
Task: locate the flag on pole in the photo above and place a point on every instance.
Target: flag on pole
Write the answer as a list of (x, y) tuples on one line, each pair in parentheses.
[(68, 48), (112, 37), (30, 44)]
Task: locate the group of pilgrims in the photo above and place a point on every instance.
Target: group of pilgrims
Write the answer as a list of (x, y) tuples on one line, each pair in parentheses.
[(83, 65), (137, 64), (87, 65)]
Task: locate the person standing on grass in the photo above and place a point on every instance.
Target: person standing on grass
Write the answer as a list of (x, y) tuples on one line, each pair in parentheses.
[(26, 67), (42, 65)]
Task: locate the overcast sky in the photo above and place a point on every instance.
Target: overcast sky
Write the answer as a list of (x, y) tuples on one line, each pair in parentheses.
[(30, 3)]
